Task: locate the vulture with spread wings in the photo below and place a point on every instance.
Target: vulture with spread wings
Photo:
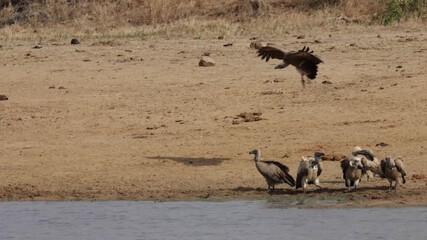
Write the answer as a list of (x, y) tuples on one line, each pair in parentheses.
[(305, 62)]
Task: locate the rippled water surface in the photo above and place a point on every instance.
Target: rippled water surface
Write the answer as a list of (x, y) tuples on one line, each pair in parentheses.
[(205, 220)]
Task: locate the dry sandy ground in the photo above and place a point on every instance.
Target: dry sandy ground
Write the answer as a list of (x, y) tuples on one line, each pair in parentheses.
[(130, 119)]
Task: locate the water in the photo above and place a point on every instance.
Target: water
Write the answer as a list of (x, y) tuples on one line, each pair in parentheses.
[(205, 220)]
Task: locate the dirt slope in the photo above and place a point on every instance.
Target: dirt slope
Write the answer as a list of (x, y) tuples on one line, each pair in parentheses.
[(126, 119)]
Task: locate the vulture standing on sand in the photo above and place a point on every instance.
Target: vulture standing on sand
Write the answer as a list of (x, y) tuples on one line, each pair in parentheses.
[(392, 170), (305, 62), (370, 163), (352, 171), (273, 172), (309, 171)]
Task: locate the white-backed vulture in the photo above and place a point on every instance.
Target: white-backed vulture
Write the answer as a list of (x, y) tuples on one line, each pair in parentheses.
[(352, 171), (392, 169), (369, 161), (273, 172), (309, 171), (305, 62)]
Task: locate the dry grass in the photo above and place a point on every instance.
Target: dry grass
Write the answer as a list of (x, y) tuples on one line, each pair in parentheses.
[(59, 19)]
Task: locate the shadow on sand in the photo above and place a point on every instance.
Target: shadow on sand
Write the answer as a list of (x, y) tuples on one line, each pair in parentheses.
[(193, 161), (310, 191)]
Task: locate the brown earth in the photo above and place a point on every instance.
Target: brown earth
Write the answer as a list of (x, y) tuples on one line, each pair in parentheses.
[(130, 119)]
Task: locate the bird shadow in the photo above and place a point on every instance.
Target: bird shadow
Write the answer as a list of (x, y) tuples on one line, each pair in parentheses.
[(193, 161), (277, 191), (309, 191)]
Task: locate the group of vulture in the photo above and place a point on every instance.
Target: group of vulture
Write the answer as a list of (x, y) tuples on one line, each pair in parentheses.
[(361, 162)]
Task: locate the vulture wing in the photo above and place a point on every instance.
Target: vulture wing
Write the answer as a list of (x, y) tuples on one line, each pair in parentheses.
[(270, 52), (367, 153), (345, 163), (399, 165), (302, 171), (320, 168), (383, 166)]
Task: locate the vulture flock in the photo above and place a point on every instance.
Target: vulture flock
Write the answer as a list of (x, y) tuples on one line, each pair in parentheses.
[(361, 162)]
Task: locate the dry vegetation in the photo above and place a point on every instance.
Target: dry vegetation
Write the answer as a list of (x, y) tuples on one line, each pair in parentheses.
[(53, 19)]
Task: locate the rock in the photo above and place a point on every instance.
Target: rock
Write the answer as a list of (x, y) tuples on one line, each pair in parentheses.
[(381, 144), (251, 116), (418, 176), (235, 122), (228, 45), (255, 45), (326, 82), (206, 61), (75, 41), (3, 98)]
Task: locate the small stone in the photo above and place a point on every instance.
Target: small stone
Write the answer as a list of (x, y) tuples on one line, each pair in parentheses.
[(206, 61), (381, 144), (221, 37), (317, 41), (52, 87), (301, 37), (75, 41), (3, 98), (326, 82), (255, 45), (228, 45), (61, 87)]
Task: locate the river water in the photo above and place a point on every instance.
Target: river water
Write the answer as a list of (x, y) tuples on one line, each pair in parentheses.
[(187, 220)]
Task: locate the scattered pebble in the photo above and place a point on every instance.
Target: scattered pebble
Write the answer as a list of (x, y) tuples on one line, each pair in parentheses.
[(251, 116), (228, 45), (418, 176), (3, 98), (381, 144), (75, 41), (255, 45), (206, 61), (326, 82)]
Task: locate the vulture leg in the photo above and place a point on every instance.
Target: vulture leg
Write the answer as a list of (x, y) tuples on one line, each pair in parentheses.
[(302, 80), (391, 185), (403, 179)]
